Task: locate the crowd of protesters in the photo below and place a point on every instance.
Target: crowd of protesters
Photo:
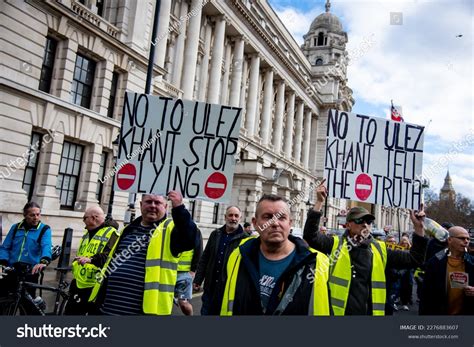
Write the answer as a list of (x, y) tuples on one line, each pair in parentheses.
[(259, 268)]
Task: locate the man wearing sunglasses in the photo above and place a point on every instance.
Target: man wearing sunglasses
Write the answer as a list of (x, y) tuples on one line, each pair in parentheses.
[(449, 278), (358, 262)]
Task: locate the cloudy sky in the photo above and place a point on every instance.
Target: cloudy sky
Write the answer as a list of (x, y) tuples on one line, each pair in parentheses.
[(421, 64)]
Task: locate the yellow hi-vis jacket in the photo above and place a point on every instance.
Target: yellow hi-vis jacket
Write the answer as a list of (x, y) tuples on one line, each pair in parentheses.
[(185, 260), (160, 272), (319, 303), (85, 275), (341, 274)]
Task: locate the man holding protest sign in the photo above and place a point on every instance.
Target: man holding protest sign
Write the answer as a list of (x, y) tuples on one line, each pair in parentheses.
[(358, 262), (140, 274)]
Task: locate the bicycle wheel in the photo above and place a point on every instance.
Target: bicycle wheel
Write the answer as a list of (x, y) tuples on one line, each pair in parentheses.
[(62, 306), (7, 308)]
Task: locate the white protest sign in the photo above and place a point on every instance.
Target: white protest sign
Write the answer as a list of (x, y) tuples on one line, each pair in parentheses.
[(173, 144), (373, 160)]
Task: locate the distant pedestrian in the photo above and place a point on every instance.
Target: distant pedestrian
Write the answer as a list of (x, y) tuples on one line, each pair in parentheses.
[(210, 269)]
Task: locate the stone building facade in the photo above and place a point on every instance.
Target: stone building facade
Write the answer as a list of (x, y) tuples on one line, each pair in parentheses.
[(67, 63)]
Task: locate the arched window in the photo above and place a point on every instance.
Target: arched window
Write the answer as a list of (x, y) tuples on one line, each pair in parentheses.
[(320, 39), (319, 61)]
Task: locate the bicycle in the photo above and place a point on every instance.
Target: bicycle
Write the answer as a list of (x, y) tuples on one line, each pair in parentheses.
[(20, 302)]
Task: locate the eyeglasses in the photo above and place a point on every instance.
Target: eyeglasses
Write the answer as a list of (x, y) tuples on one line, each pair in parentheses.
[(362, 221), (462, 238)]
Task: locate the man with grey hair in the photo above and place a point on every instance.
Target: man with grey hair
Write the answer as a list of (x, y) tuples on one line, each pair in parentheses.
[(221, 243), (96, 243), (141, 270), (448, 287)]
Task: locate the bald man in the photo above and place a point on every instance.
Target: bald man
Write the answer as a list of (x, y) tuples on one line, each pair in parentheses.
[(96, 243), (448, 287)]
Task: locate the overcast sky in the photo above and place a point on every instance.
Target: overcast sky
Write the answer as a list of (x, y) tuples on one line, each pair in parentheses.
[(421, 64)]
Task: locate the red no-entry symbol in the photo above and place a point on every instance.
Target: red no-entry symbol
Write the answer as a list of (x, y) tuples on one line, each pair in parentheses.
[(126, 176), (215, 186), (363, 186)]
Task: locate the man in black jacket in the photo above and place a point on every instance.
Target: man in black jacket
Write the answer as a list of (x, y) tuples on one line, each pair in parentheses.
[(221, 243), (448, 287), (276, 273), (361, 293)]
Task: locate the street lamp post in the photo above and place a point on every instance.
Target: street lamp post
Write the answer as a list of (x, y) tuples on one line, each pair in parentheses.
[(112, 191)]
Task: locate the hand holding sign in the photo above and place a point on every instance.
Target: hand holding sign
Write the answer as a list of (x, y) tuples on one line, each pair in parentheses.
[(417, 218), (176, 198), (321, 195)]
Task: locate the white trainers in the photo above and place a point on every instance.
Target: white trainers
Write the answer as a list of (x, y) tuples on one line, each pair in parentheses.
[(405, 308)]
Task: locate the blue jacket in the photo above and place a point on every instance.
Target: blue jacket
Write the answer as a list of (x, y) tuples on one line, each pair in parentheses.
[(25, 247)]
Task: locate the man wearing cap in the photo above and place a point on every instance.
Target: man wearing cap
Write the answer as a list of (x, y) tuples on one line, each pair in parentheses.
[(358, 261)]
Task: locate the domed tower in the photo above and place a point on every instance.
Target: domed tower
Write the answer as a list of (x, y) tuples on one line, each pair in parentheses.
[(447, 193), (325, 47)]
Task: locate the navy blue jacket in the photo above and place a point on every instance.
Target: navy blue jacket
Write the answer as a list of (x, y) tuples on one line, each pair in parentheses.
[(434, 300)]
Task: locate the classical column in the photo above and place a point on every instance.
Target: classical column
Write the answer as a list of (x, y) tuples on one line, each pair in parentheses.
[(279, 114), (290, 115), (162, 36), (179, 48), (237, 65), (267, 107), (314, 144), (225, 77), (306, 139), (243, 88), (191, 50), (298, 131), (252, 94), (205, 62), (216, 61)]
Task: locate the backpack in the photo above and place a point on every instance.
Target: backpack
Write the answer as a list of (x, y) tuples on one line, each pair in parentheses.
[(42, 231)]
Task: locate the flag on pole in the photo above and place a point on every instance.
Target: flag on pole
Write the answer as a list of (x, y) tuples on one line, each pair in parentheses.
[(397, 113)]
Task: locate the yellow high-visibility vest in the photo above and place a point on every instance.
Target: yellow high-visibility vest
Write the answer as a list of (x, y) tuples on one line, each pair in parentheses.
[(85, 275), (319, 303), (160, 272), (341, 274), (185, 260)]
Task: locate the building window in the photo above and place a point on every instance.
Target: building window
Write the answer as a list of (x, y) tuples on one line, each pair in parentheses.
[(32, 165), (48, 64), (215, 213), (68, 177), (319, 61), (100, 180), (113, 93), (81, 91), (100, 7), (321, 39)]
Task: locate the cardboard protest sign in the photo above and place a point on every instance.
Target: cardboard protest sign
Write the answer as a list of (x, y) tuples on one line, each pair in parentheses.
[(458, 279), (173, 144), (374, 160)]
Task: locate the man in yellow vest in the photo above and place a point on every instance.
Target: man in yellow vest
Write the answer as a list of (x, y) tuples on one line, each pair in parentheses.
[(95, 245), (188, 262), (358, 261), (140, 274), (276, 273)]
